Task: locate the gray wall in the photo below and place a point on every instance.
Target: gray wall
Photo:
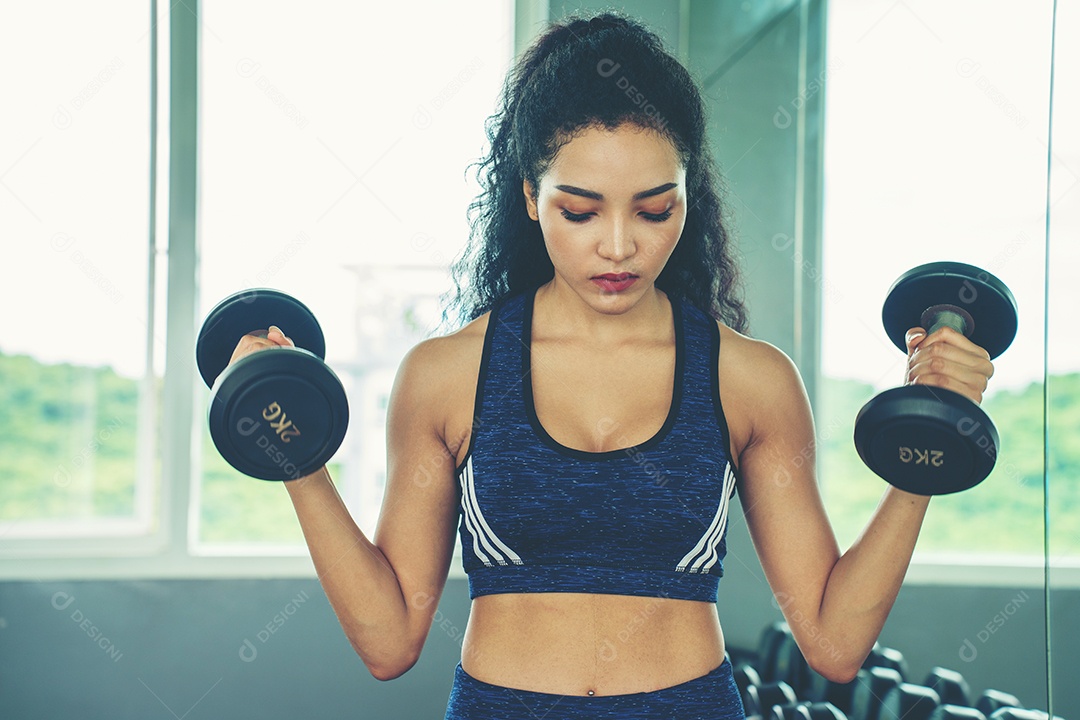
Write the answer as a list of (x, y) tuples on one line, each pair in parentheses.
[(202, 648)]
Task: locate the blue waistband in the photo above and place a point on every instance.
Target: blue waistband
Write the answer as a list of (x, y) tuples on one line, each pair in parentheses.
[(713, 696)]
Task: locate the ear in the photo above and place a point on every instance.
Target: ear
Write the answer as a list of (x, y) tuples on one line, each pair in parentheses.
[(530, 199)]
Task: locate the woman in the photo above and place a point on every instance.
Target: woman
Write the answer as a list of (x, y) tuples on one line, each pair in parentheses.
[(573, 430)]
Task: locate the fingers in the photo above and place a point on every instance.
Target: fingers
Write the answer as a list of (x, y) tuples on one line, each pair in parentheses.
[(947, 359), (276, 336), (261, 340)]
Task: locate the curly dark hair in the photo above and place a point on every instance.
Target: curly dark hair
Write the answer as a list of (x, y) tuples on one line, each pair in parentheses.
[(603, 71)]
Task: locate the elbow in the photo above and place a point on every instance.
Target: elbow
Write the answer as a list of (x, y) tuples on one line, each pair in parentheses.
[(836, 667), (840, 674), (389, 671), (388, 666)]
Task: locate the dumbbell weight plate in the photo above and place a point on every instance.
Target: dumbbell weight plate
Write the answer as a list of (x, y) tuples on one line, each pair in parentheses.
[(278, 414), (772, 638), (912, 702), (950, 686), (992, 700), (926, 440), (807, 711), (870, 690), (957, 712), (761, 698), (984, 297), (250, 311)]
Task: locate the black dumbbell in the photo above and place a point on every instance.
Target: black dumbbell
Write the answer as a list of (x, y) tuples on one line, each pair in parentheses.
[(760, 699), (790, 666), (1021, 714), (887, 657), (992, 700), (745, 676), (772, 637), (956, 712), (950, 686), (871, 687), (277, 414), (821, 689), (807, 711), (911, 702), (928, 440)]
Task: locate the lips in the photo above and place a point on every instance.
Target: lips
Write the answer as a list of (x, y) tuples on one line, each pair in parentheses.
[(614, 283)]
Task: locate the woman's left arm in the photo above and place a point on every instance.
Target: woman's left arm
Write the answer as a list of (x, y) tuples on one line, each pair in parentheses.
[(836, 604)]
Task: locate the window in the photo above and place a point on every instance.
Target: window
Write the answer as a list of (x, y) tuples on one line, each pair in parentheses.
[(333, 168), (939, 157), (78, 386)]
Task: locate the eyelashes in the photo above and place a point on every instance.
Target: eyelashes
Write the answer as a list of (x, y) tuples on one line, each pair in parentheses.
[(582, 217), (575, 217)]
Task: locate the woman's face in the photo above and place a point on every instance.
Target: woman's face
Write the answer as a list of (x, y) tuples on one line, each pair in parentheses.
[(611, 203)]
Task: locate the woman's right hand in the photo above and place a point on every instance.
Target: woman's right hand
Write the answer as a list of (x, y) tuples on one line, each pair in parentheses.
[(261, 340)]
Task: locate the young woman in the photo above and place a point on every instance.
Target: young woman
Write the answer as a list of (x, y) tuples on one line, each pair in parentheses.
[(587, 428)]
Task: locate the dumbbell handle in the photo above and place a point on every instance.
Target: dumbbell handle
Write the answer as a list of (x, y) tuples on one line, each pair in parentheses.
[(936, 317)]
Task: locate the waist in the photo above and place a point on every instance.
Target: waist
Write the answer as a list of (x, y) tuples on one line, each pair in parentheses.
[(573, 643)]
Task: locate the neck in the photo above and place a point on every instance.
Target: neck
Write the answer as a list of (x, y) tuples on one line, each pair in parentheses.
[(601, 320)]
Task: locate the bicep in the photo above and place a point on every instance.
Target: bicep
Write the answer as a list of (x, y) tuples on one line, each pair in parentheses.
[(778, 489), (416, 523)]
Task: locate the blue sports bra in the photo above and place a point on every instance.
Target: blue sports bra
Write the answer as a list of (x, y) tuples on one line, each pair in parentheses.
[(648, 520)]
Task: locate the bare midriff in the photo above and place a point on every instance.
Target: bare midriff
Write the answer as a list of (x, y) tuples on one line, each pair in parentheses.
[(590, 644)]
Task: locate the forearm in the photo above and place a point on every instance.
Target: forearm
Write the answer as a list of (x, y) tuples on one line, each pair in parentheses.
[(358, 580), (865, 581)]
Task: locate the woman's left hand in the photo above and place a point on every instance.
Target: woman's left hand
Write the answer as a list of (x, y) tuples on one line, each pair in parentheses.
[(947, 359)]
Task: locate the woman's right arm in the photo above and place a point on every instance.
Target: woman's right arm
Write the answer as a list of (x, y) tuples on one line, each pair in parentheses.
[(385, 592)]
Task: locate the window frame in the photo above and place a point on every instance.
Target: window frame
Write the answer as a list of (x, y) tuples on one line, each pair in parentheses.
[(142, 549)]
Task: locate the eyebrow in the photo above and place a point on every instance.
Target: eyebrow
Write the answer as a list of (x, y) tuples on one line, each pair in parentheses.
[(597, 196)]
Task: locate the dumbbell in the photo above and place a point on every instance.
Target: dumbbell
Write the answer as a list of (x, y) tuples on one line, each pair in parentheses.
[(910, 702), (871, 688), (956, 712), (992, 700), (807, 711), (745, 676), (276, 414), (1021, 714), (760, 699), (821, 689), (790, 665), (950, 686), (887, 657), (929, 440)]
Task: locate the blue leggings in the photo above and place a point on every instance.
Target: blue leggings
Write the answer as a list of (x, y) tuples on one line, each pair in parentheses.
[(709, 697)]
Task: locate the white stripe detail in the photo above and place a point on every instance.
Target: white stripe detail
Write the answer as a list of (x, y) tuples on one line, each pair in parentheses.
[(706, 549), (467, 502), (469, 522), (480, 527)]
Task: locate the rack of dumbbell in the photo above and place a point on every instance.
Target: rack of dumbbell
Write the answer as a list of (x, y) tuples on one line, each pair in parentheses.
[(777, 684)]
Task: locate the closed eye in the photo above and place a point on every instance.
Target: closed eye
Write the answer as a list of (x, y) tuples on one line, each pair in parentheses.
[(656, 217), (575, 217)]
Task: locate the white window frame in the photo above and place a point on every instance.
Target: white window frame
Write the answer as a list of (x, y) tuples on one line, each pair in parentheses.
[(139, 549)]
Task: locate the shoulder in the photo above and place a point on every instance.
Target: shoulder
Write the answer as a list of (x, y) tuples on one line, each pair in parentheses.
[(745, 357), (760, 386), (437, 378)]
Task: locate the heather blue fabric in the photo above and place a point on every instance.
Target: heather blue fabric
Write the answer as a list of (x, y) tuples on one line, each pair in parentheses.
[(647, 520), (710, 697)]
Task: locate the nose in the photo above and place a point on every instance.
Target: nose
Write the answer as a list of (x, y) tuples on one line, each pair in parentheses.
[(617, 243)]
